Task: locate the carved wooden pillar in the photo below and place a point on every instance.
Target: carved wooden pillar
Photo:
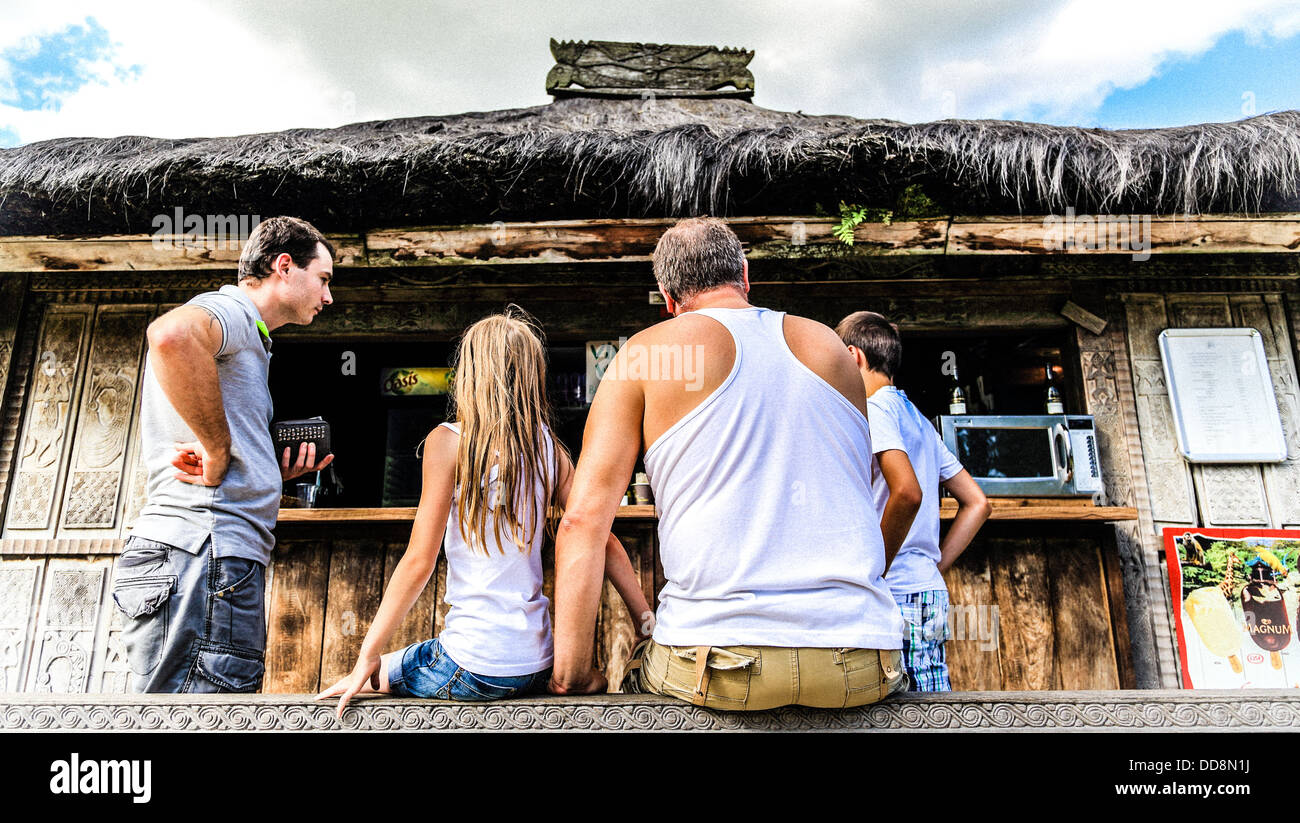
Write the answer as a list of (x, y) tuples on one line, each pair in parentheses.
[(13, 374), (1281, 480), (1108, 390)]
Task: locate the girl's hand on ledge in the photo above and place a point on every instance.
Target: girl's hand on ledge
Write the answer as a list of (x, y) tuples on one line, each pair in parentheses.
[(366, 672)]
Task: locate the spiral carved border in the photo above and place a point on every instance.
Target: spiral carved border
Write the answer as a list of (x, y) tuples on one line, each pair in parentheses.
[(1114, 711)]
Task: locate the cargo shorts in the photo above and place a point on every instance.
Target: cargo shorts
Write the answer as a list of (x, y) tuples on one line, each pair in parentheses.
[(191, 622), (754, 678)]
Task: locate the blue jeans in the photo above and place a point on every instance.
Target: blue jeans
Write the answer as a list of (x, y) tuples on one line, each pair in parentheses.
[(192, 622), (427, 670)]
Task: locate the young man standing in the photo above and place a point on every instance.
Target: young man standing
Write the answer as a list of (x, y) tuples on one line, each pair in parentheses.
[(910, 463), (190, 581)]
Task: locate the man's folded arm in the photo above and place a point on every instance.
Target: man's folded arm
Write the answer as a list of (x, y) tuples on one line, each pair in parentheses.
[(183, 345)]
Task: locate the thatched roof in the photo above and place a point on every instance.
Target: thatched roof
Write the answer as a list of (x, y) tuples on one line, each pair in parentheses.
[(631, 158)]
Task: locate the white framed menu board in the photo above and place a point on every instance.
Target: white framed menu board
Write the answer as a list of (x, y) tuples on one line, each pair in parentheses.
[(1222, 396)]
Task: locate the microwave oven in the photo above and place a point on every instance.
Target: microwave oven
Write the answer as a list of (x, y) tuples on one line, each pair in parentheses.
[(1043, 455)]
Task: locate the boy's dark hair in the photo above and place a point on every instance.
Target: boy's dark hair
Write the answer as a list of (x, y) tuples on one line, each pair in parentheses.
[(698, 254), (877, 339), (276, 236)]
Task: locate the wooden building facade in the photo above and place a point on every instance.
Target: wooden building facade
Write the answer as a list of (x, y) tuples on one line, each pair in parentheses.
[(1052, 595)]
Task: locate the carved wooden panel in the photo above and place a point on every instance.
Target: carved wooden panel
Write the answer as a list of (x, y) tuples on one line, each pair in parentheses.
[(13, 402), (12, 287), (1199, 311), (56, 379), (104, 421), (1168, 481), (1109, 393), (1160, 491), (110, 671), (71, 604), (1281, 480), (20, 582), (1231, 495)]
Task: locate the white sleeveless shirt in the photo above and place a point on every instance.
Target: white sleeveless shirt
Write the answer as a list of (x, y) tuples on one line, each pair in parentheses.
[(768, 532), (498, 623)]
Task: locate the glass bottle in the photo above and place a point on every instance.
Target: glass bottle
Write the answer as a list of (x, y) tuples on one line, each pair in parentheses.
[(1054, 404), (956, 397)]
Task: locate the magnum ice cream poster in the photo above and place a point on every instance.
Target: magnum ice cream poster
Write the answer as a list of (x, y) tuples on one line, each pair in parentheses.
[(1237, 593)]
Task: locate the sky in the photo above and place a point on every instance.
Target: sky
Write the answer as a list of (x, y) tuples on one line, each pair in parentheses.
[(191, 68)]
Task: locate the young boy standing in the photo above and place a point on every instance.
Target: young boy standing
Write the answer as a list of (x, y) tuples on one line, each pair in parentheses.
[(910, 463)]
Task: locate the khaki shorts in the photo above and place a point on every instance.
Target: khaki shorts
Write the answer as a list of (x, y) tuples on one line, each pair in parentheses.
[(753, 678)]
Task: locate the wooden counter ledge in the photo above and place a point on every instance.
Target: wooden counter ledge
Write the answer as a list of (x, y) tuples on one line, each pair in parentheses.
[(1004, 508), (407, 514)]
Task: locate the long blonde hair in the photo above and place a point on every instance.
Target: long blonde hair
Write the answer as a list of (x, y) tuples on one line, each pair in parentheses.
[(501, 404)]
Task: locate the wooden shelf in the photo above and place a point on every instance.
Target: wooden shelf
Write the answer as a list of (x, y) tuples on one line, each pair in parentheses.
[(1045, 508), (1004, 508)]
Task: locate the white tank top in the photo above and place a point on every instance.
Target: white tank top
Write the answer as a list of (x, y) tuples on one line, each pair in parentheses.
[(498, 623), (767, 529)]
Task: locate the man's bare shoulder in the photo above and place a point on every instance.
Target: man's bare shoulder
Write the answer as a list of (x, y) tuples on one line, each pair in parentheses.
[(818, 347), (815, 338), (687, 327), (189, 320)]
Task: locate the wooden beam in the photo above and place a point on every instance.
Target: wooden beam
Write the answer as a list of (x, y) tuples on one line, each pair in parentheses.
[(632, 241), (1126, 235), (141, 252)]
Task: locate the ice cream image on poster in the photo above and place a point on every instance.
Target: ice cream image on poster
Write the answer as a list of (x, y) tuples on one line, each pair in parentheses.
[(1265, 612), (1210, 613)]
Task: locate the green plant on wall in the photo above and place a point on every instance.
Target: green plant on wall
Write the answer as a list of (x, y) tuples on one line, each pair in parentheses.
[(853, 215), (912, 204)]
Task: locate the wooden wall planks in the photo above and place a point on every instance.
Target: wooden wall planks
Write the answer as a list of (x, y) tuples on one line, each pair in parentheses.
[(356, 585), (296, 628), (1021, 590), (1032, 611)]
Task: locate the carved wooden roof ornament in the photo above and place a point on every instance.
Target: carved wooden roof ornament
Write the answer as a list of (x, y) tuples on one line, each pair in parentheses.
[(602, 68)]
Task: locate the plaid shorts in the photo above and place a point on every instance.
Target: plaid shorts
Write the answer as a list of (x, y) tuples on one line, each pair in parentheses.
[(926, 616)]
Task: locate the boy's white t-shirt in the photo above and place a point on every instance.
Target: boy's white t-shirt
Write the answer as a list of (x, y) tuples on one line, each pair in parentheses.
[(897, 424)]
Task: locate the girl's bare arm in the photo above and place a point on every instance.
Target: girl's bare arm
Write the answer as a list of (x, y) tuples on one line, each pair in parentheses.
[(414, 569)]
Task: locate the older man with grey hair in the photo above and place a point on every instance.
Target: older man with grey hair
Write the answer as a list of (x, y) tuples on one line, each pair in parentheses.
[(760, 467)]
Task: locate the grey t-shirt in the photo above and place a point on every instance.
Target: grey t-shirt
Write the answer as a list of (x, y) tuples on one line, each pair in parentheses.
[(238, 514)]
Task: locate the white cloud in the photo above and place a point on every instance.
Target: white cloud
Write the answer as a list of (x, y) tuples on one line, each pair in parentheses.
[(241, 66)]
